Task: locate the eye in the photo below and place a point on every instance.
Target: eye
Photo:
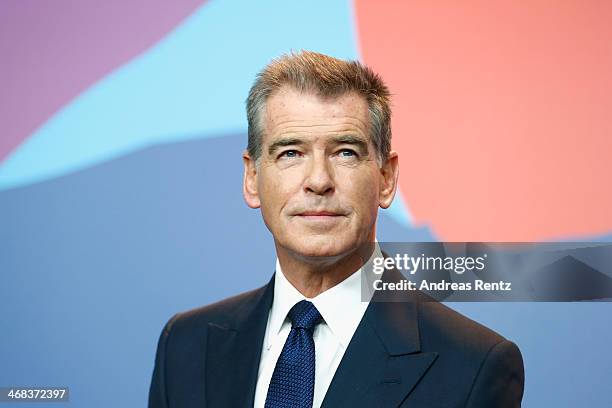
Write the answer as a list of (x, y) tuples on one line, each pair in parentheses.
[(290, 154), (347, 153)]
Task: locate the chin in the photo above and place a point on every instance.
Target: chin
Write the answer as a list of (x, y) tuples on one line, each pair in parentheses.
[(321, 246)]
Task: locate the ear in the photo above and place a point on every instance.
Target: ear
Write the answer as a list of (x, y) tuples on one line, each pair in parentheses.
[(249, 181), (389, 172)]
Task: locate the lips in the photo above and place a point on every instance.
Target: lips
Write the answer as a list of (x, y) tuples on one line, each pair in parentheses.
[(319, 214)]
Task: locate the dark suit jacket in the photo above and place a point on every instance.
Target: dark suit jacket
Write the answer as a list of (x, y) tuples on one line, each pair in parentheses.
[(410, 353)]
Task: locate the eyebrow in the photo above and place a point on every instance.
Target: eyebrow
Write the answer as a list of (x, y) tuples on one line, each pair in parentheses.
[(359, 142), (285, 141)]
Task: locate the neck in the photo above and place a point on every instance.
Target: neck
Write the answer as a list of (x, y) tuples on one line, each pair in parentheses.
[(314, 275)]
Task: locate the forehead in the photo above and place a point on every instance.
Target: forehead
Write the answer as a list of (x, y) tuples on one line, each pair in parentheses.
[(289, 110)]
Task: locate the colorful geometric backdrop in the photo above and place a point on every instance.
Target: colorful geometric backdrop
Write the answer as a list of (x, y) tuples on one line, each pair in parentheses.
[(122, 125)]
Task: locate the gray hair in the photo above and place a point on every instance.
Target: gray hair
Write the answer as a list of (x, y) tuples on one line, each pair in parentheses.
[(308, 71)]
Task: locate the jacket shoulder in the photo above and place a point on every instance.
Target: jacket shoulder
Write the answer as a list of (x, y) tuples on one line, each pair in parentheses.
[(224, 313), (443, 327), (486, 368)]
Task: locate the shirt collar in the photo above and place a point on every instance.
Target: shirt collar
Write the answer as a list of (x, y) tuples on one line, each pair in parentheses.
[(341, 306), (285, 297)]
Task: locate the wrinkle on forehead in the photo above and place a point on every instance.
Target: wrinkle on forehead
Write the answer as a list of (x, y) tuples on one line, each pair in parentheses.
[(290, 111)]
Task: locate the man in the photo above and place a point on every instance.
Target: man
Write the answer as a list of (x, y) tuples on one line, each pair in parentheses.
[(319, 164)]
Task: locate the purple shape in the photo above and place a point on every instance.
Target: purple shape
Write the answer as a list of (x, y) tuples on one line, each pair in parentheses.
[(50, 51)]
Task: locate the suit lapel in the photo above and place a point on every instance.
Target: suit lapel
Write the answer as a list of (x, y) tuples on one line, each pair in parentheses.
[(380, 367), (383, 361), (233, 353)]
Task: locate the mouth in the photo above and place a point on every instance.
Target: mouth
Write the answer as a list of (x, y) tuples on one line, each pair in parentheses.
[(319, 214), (320, 220)]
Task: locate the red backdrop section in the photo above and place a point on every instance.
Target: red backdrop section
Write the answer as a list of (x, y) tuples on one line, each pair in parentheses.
[(502, 113)]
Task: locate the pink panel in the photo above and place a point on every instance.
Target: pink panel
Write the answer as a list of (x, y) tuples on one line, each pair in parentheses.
[(503, 113)]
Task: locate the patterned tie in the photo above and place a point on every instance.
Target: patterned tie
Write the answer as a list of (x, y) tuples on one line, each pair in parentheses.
[(292, 384)]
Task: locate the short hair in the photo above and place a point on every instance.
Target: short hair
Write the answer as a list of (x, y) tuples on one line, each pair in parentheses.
[(308, 71)]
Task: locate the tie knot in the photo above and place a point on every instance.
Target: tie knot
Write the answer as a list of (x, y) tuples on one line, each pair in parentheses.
[(304, 315)]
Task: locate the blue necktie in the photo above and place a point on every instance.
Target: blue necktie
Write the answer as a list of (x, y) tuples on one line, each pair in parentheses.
[(292, 383)]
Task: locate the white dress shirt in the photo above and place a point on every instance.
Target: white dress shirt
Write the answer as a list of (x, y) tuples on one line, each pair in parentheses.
[(341, 308)]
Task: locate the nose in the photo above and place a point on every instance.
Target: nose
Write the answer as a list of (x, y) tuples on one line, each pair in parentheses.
[(319, 178)]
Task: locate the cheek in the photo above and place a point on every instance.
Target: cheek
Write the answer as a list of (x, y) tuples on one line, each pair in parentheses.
[(274, 191), (364, 195)]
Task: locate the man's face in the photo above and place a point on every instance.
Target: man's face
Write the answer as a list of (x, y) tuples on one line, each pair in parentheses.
[(318, 181)]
